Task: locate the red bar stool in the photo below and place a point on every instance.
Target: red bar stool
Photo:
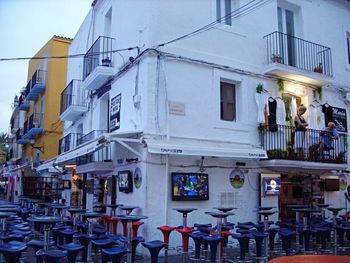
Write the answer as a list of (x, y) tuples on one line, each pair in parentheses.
[(166, 230), (184, 231), (114, 222), (135, 227), (107, 222)]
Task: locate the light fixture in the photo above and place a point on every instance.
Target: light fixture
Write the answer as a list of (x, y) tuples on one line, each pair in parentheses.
[(40, 148)]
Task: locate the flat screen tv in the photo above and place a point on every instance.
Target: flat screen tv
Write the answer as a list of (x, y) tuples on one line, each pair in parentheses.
[(190, 186), (331, 184), (125, 181), (272, 186)]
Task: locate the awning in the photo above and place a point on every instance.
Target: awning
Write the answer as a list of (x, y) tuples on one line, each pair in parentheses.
[(49, 165), (205, 148), (85, 148)]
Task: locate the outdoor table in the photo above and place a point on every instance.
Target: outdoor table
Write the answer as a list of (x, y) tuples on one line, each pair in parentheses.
[(48, 222), (225, 210), (323, 206), (113, 208), (129, 220), (45, 205), (59, 208), (266, 213), (335, 211), (73, 211), (3, 217), (311, 259), (184, 212), (264, 208), (297, 219), (128, 209)]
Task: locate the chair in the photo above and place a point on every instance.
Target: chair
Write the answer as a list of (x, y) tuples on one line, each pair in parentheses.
[(154, 248)]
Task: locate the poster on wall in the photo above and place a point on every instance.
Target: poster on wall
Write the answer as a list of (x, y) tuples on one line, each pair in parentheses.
[(115, 112), (237, 178), (137, 178)]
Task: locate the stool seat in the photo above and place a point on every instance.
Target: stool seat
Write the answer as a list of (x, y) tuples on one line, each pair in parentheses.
[(53, 255), (154, 248), (197, 238), (185, 238), (116, 254), (166, 230), (38, 244), (213, 242), (72, 251), (12, 251), (102, 243)]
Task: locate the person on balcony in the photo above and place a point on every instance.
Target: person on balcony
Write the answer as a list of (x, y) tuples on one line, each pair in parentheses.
[(328, 135), (300, 130)]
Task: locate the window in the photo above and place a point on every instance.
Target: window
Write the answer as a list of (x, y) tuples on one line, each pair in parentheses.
[(224, 8), (348, 46), (227, 101)]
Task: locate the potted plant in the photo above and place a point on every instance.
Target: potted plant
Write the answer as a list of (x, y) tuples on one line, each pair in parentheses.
[(319, 68), (276, 58), (106, 62)]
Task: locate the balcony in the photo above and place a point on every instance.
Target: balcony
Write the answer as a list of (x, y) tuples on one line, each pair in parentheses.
[(98, 63), (297, 59), (24, 106), (68, 142), (33, 126), (36, 85), (278, 141), (90, 136), (19, 137), (73, 101)]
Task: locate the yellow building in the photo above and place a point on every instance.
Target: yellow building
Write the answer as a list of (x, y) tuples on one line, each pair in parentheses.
[(41, 100)]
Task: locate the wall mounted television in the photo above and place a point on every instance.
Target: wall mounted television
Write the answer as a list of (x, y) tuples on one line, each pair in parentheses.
[(331, 184), (189, 186), (125, 181), (272, 186)]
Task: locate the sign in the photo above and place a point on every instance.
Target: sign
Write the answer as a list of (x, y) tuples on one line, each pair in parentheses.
[(115, 112), (342, 182), (339, 118), (237, 178), (137, 178), (272, 186), (177, 108)]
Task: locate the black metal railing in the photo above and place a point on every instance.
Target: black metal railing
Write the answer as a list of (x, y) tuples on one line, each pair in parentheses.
[(90, 136), (99, 54), (35, 120), (283, 142), (73, 95), (68, 142), (25, 126), (101, 155), (293, 51), (19, 134), (38, 77)]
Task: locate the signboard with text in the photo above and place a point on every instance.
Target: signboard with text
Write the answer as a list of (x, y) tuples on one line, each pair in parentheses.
[(339, 118), (115, 112)]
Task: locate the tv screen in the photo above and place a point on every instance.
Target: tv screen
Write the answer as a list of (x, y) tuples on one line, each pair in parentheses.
[(190, 186), (331, 185), (125, 181), (272, 186)]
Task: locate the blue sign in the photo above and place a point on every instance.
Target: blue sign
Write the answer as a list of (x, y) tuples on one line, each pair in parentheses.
[(272, 186)]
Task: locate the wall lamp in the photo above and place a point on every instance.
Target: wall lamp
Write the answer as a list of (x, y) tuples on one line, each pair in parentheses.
[(40, 148)]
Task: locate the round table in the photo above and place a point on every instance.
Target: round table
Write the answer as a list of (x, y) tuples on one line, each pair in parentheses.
[(323, 206), (335, 211), (48, 222), (73, 211), (128, 209), (266, 213), (264, 208), (311, 259), (3, 217), (225, 210), (184, 212), (45, 205), (59, 208), (129, 220), (113, 208)]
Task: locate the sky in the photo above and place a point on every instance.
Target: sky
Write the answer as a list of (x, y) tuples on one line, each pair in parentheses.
[(26, 26)]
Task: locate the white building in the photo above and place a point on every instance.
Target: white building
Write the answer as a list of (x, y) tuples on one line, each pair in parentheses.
[(155, 94)]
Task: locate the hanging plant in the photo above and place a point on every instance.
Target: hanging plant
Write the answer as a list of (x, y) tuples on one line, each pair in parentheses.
[(280, 83), (259, 88)]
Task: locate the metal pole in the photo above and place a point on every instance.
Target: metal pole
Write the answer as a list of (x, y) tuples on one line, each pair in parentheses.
[(129, 227), (335, 233)]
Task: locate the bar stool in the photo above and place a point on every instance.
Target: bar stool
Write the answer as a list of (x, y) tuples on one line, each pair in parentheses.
[(213, 242), (154, 248), (12, 251), (198, 241), (52, 255), (85, 240), (99, 244), (243, 240), (134, 243), (286, 236), (166, 231), (259, 239), (36, 245), (135, 227), (72, 251), (67, 235), (116, 254)]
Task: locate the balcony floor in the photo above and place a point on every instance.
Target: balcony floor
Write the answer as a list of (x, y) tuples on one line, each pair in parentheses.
[(73, 112), (97, 77)]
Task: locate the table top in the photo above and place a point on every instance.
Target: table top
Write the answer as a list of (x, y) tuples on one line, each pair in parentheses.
[(323, 205), (224, 209), (217, 214), (45, 204), (9, 209), (185, 210), (297, 206), (92, 215), (59, 206), (5, 214), (311, 258), (306, 210), (114, 205), (45, 219), (264, 208), (76, 210), (130, 218), (266, 212), (335, 209), (128, 207)]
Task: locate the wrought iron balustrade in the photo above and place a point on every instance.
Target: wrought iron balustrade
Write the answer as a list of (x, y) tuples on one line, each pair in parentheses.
[(90, 136), (279, 141), (72, 95)]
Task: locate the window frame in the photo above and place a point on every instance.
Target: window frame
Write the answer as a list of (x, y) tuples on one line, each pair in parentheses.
[(224, 101)]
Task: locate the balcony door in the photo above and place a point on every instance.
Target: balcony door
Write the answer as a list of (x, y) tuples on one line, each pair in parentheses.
[(286, 26)]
